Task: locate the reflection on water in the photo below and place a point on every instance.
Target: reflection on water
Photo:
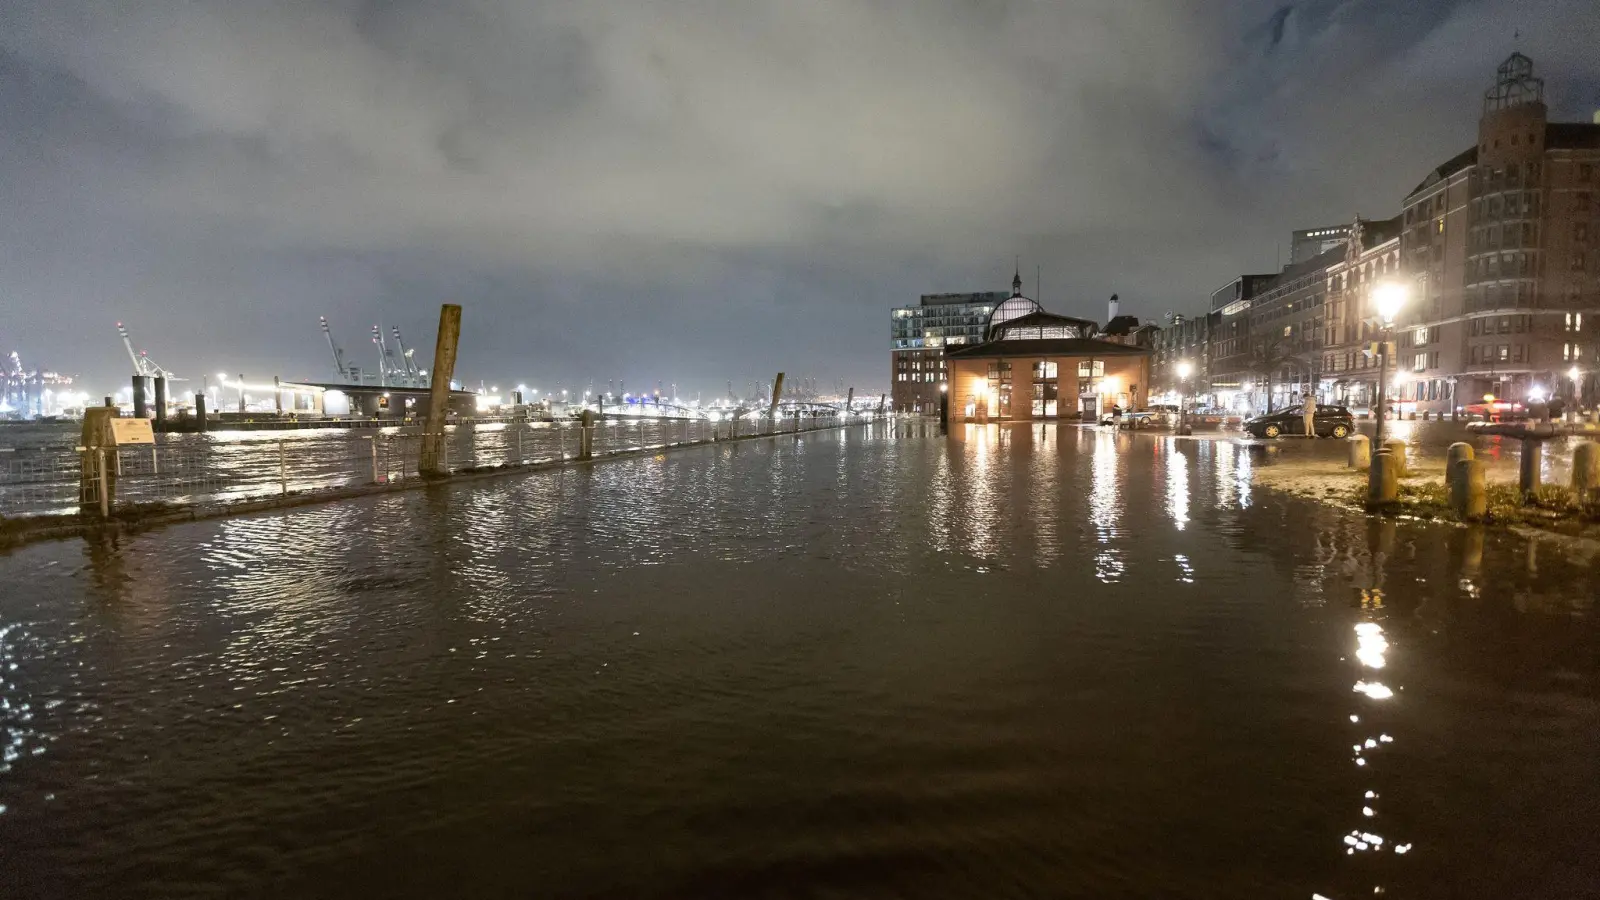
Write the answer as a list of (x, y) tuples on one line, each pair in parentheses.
[(845, 665), (1177, 487)]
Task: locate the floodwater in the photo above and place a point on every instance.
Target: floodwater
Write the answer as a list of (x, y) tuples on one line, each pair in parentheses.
[(40, 470), (1022, 662)]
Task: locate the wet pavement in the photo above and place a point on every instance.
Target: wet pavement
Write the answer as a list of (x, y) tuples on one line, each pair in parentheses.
[(1025, 661)]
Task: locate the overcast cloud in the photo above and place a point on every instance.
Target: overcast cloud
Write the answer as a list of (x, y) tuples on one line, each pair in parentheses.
[(694, 191)]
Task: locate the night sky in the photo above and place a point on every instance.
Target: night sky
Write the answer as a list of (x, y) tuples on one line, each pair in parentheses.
[(688, 191)]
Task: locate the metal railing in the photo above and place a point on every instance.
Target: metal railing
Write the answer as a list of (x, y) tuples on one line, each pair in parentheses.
[(193, 470)]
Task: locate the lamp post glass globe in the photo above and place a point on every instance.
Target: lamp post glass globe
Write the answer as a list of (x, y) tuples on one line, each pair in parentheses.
[(1575, 374), (1185, 369), (1388, 298)]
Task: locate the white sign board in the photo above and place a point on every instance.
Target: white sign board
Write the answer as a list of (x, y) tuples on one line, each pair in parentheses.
[(131, 431)]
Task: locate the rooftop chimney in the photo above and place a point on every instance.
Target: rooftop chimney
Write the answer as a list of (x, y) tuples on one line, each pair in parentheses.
[(1111, 309)]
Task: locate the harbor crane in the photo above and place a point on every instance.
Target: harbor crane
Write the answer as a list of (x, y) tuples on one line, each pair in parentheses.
[(142, 363), (338, 354), (413, 376)]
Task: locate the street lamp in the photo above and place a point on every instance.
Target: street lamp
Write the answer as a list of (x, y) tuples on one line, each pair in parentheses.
[(1387, 298), (1185, 369)]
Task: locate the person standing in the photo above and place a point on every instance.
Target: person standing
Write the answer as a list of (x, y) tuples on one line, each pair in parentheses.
[(1308, 412)]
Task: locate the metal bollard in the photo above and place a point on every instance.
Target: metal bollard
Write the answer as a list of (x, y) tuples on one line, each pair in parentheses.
[(1398, 448), (1360, 451), (1458, 451), (1528, 467), (283, 470), (1468, 489), (1585, 470), (1383, 483)]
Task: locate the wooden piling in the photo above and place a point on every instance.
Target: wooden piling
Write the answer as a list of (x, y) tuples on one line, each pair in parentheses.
[(434, 461)]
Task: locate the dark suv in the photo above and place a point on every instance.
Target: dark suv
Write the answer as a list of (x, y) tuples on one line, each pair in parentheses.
[(1330, 421)]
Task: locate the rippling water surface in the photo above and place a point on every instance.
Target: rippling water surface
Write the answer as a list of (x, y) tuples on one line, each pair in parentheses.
[(1019, 663)]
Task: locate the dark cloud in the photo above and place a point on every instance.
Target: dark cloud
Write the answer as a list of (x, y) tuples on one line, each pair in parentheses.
[(694, 191)]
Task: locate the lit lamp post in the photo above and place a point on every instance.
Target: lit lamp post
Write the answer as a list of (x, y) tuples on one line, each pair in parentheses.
[(1575, 376), (1185, 369), (944, 404), (1387, 298)]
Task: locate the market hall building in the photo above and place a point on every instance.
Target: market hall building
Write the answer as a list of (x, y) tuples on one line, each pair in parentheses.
[(1034, 364)]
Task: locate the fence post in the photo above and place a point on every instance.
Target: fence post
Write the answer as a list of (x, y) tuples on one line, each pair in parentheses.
[(155, 464), (374, 440), (105, 485), (283, 470), (518, 427)]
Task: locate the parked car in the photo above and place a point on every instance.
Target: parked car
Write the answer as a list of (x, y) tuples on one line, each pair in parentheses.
[(1142, 418), (1330, 421)]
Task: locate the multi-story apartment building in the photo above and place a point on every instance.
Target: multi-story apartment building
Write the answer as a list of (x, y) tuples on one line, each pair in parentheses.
[(1502, 251), (1232, 354), (1349, 374), (1499, 247), (918, 336), (1185, 339), (1287, 327)]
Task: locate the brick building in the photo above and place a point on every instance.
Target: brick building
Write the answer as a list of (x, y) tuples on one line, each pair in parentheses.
[(1500, 247)]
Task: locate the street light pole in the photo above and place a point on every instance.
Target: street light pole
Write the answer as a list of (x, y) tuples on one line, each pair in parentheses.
[(1184, 369), (1383, 378), (1388, 298)]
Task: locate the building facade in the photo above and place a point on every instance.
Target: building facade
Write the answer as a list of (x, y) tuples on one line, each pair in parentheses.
[(1307, 244), (918, 336), (1500, 248), (1049, 378), (1349, 365), (1185, 339)]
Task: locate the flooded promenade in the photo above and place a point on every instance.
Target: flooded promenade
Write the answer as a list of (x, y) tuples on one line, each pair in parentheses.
[(1025, 661)]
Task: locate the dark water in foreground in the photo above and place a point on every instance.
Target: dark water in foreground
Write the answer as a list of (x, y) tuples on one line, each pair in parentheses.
[(848, 666)]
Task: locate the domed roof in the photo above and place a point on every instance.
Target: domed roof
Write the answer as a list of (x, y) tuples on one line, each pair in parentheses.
[(1014, 307)]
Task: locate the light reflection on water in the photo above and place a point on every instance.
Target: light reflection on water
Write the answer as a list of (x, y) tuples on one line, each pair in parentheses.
[(1177, 486), (847, 664)]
